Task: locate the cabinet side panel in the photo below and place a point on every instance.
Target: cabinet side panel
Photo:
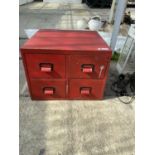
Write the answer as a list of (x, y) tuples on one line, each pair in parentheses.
[(26, 73)]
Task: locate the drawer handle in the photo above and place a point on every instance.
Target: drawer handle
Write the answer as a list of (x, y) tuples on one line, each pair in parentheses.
[(87, 68), (46, 67), (48, 91), (85, 91)]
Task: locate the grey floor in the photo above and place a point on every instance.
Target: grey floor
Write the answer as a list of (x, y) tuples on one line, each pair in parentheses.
[(72, 127)]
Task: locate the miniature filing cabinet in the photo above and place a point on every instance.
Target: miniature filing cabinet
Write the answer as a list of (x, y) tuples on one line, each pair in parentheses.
[(66, 64)]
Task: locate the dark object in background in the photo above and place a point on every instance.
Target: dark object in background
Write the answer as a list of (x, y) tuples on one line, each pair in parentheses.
[(125, 86), (131, 3), (105, 3), (99, 3), (128, 19), (115, 56)]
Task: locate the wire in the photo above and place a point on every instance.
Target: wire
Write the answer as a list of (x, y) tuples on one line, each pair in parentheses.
[(120, 87), (132, 98)]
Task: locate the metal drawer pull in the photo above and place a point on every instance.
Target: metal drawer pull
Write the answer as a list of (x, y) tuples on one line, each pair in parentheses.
[(85, 91), (46, 67), (48, 91), (87, 68)]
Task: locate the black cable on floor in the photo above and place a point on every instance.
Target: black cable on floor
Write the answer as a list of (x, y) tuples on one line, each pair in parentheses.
[(124, 86)]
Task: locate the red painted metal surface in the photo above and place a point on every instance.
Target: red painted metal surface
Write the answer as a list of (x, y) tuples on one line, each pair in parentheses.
[(66, 40), (87, 66), (86, 89), (45, 65), (65, 64), (48, 89)]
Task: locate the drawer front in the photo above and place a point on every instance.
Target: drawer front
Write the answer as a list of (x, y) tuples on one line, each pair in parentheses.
[(48, 89), (45, 65), (86, 89), (87, 66)]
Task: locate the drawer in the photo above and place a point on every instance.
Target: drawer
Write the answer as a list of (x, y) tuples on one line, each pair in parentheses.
[(86, 89), (87, 66), (48, 89), (45, 65)]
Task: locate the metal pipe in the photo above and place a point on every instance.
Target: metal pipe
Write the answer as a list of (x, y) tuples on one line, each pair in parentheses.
[(117, 21)]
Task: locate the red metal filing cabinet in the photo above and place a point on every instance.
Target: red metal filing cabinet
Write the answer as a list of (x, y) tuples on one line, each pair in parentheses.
[(66, 64)]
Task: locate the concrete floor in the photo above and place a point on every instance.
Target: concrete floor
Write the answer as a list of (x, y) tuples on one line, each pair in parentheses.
[(55, 15), (61, 16), (76, 127), (72, 127)]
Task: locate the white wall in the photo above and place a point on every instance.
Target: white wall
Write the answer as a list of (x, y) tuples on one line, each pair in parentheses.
[(24, 1)]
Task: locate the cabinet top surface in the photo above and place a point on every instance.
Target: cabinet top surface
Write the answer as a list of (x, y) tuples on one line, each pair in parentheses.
[(67, 40)]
